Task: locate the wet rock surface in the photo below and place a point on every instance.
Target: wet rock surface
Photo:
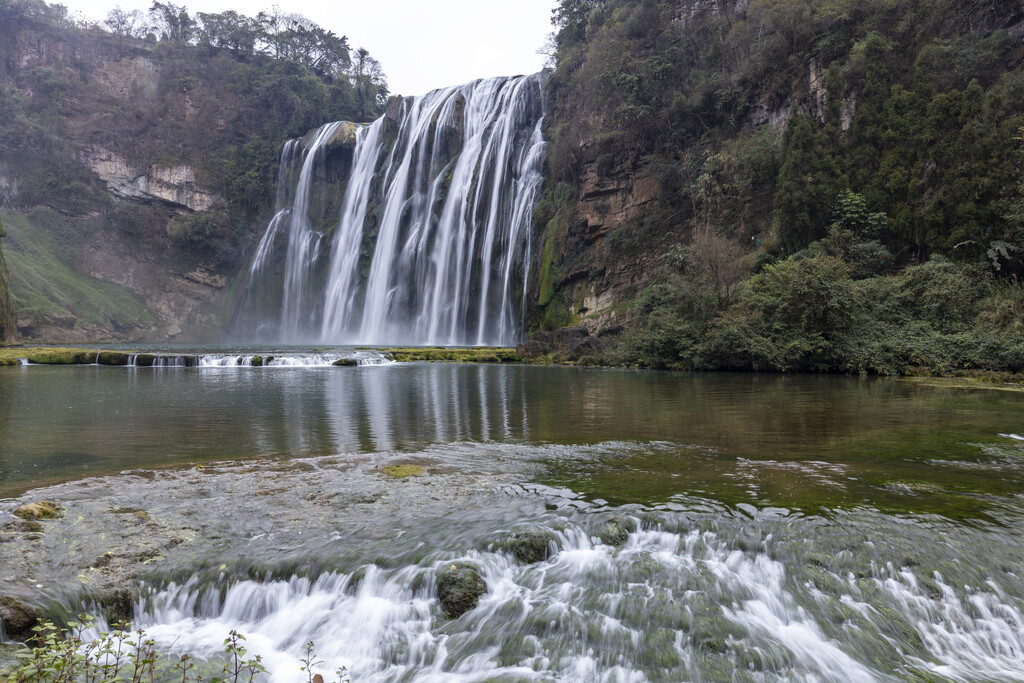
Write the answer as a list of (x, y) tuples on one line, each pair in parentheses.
[(44, 509), (569, 344), (17, 618), (616, 530), (116, 531)]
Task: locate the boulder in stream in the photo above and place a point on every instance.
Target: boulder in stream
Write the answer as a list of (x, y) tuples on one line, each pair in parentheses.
[(44, 509), (17, 618), (530, 545), (459, 587), (616, 530)]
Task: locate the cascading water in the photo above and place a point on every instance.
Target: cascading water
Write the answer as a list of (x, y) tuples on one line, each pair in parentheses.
[(430, 242)]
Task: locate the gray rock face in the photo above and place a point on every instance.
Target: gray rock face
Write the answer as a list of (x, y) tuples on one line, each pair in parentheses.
[(172, 184)]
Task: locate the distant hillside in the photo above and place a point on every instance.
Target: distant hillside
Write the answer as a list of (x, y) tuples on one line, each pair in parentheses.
[(137, 163), (705, 152)]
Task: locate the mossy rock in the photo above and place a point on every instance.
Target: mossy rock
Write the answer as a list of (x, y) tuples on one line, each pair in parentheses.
[(530, 545), (345, 363), (56, 356), (402, 471), (17, 618), (112, 358), (118, 606), (44, 509), (257, 361), (145, 360), (459, 587), (616, 530)]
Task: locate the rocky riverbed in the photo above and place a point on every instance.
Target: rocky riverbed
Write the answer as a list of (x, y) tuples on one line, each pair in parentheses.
[(107, 533)]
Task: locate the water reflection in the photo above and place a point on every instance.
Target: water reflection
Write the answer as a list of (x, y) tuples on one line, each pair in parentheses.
[(763, 435)]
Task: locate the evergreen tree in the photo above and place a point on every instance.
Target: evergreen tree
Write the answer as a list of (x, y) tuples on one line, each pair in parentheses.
[(806, 186)]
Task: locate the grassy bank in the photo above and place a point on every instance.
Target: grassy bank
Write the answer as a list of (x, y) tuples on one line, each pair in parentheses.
[(40, 249)]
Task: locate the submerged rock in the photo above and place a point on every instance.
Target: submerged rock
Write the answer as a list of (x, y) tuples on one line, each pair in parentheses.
[(17, 618), (44, 509), (530, 545), (459, 587)]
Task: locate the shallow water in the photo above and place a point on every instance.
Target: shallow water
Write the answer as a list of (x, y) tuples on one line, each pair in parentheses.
[(780, 528)]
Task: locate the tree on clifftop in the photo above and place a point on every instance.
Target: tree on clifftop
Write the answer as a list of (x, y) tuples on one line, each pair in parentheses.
[(173, 22)]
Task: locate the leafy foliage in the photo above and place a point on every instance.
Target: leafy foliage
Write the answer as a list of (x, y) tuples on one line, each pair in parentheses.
[(123, 656)]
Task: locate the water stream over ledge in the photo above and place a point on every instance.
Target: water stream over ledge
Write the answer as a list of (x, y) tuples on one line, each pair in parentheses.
[(702, 527)]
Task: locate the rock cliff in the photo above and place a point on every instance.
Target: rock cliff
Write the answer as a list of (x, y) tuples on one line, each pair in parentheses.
[(136, 174), (670, 116)]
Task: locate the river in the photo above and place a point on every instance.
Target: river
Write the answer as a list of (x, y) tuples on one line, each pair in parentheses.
[(700, 526)]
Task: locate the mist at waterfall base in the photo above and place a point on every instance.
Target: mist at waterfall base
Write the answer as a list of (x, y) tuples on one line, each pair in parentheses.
[(412, 230)]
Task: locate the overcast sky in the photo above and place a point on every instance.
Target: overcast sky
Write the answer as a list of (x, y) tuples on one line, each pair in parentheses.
[(421, 44)]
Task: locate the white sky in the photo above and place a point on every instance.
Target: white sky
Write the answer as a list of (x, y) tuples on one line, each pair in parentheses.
[(421, 44)]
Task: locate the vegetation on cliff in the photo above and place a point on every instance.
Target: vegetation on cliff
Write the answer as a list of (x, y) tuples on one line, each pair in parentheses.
[(8, 331), (837, 183)]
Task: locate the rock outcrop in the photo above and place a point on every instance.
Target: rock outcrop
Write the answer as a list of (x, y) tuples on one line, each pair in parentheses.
[(175, 185)]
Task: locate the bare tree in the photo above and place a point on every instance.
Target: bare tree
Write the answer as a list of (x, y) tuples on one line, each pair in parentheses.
[(718, 261), (127, 24)]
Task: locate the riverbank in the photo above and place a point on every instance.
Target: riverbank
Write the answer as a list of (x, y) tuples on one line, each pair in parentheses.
[(44, 355)]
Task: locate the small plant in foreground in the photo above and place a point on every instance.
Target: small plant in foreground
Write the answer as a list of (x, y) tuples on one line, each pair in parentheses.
[(125, 656)]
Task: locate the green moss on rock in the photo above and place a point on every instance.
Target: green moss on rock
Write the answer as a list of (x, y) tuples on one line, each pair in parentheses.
[(44, 509), (459, 587), (402, 471), (530, 545)]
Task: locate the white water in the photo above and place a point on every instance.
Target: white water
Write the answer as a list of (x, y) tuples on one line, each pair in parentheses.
[(430, 246), (248, 360), (652, 609)]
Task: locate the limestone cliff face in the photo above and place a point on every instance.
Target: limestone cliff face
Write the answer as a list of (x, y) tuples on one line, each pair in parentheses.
[(176, 185)]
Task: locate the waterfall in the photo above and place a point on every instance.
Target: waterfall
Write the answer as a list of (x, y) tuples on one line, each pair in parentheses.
[(431, 231)]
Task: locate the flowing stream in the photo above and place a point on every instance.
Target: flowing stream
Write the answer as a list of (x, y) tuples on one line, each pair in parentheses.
[(424, 239)]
